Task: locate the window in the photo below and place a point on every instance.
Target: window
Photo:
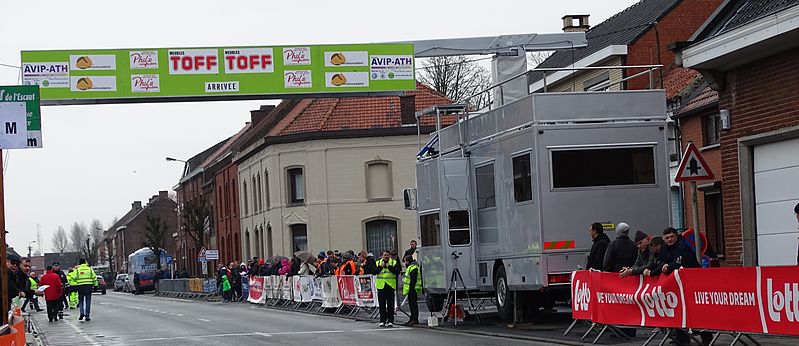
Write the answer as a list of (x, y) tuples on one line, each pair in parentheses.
[(258, 243), (235, 207), (711, 127), (299, 237), (254, 196), (296, 185), (522, 178), (247, 244), (459, 233), (603, 167), (260, 195), (378, 181), (714, 221), (269, 240), (598, 83), (381, 235), (220, 202), (266, 185), (244, 194), (486, 196), (430, 226)]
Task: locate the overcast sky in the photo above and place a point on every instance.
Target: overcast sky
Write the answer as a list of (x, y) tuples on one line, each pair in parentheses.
[(98, 159)]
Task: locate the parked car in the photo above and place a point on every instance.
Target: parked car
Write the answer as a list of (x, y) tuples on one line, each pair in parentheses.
[(100, 285), (121, 282)]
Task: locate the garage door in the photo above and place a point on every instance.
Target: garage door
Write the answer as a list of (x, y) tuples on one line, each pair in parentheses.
[(776, 170)]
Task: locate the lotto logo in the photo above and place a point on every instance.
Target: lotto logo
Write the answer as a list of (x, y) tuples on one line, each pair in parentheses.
[(655, 301)]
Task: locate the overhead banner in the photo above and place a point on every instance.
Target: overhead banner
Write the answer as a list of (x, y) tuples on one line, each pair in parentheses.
[(232, 73), (29, 96), (759, 299)]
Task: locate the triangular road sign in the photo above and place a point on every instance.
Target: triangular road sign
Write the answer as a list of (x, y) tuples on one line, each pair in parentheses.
[(693, 166), (202, 253)]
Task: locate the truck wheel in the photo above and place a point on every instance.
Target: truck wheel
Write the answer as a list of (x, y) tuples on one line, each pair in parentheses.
[(435, 302), (503, 295)]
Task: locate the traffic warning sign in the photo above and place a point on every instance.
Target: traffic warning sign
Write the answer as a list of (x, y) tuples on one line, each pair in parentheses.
[(693, 166)]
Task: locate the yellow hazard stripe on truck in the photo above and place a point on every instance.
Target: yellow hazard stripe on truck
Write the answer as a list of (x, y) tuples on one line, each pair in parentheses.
[(559, 244)]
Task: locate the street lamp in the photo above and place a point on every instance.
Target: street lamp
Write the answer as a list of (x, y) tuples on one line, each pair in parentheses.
[(29, 248), (174, 159)]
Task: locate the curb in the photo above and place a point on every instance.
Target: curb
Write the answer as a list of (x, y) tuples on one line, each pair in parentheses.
[(38, 337)]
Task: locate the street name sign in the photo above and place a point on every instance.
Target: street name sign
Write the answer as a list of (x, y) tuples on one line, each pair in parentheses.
[(92, 76), (29, 95), (212, 254)]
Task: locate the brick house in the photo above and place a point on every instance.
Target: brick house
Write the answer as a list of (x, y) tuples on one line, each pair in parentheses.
[(697, 115), (328, 173), (194, 184), (638, 35), (128, 234), (747, 52)]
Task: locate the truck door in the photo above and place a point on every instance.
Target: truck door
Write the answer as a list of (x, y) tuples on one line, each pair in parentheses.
[(458, 221)]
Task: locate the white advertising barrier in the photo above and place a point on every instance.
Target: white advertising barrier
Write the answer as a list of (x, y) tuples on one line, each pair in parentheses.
[(287, 287), (296, 289), (367, 291), (330, 296), (268, 291), (316, 285), (306, 289), (277, 287), (257, 290)]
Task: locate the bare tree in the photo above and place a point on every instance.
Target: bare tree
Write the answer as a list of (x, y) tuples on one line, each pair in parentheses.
[(96, 232), (536, 58), (60, 240), (457, 77), (77, 237), (195, 213), (155, 237)]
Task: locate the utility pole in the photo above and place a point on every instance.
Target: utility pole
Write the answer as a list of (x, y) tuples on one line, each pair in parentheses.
[(4, 307)]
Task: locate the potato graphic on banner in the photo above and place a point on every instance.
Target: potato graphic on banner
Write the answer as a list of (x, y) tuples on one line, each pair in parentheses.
[(338, 59), (84, 83), (83, 62), (338, 79)]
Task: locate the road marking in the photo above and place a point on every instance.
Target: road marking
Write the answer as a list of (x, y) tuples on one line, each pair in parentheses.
[(204, 320), (81, 333), (269, 334)]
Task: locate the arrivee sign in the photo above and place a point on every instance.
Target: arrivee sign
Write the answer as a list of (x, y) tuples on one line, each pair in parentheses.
[(748, 299), (181, 74)]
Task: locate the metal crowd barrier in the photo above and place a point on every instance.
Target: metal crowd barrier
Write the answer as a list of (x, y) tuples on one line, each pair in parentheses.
[(187, 288)]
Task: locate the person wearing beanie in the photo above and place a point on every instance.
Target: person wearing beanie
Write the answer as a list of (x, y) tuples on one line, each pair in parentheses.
[(621, 251), (642, 243)]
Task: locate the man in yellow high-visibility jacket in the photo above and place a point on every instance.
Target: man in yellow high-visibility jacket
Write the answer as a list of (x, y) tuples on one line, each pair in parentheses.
[(84, 279), (412, 288), (386, 282)]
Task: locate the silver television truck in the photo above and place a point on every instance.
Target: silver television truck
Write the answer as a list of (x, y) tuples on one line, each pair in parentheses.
[(507, 196)]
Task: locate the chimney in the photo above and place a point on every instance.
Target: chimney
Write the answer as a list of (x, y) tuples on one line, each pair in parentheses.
[(408, 110), (575, 23), (152, 198), (259, 114), (136, 205), (164, 194)]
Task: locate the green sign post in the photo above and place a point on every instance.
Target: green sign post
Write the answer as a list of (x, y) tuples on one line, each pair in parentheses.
[(226, 73), (29, 94)]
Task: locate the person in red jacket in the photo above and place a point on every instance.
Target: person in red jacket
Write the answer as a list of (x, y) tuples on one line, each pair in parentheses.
[(52, 294)]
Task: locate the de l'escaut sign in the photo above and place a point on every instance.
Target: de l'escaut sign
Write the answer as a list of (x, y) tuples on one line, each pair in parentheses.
[(223, 73)]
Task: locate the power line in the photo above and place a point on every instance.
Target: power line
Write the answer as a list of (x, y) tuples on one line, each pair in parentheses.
[(11, 66)]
